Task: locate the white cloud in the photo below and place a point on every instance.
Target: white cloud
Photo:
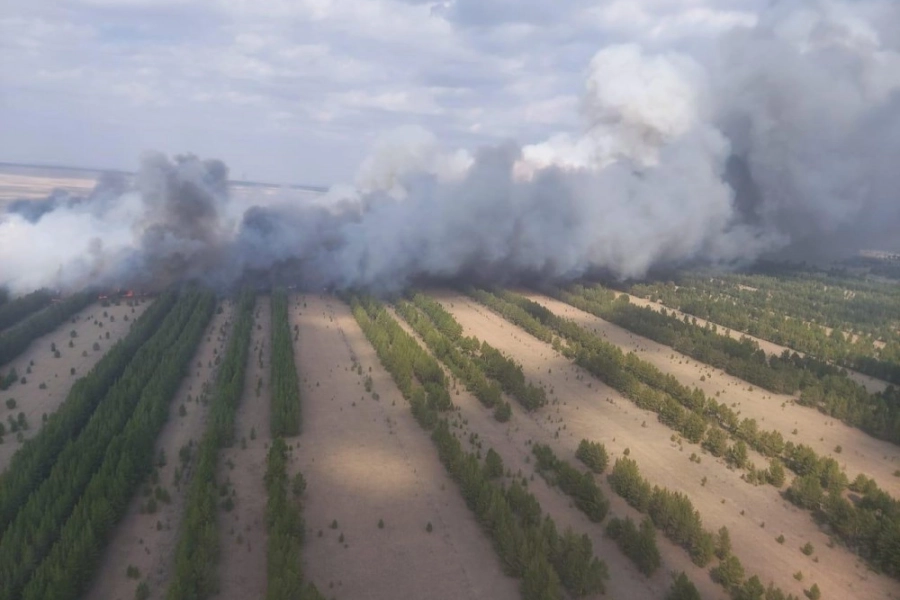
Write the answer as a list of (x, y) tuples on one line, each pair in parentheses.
[(244, 80)]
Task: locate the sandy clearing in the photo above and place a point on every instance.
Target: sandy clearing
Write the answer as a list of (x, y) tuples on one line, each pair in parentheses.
[(592, 410), (511, 440), (242, 532), (137, 539), (860, 453), (56, 373), (372, 461), (872, 384)]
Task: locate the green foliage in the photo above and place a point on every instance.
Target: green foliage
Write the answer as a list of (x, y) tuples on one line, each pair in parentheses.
[(682, 589), (19, 308), (286, 415), (729, 573), (285, 528), (593, 455), (73, 509), (493, 464), (197, 550), (581, 487), (638, 544), (529, 547), (503, 412), (17, 338)]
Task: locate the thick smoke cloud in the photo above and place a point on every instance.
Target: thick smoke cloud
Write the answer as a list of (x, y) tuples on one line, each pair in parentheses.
[(780, 139)]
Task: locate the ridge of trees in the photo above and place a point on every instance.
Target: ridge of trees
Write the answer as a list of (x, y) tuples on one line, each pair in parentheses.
[(527, 542), (593, 455), (16, 339), (675, 515), (821, 384), (286, 415), (581, 487), (450, 351), (863, 526), (478, 364), (128, 460), (196, 554), (637, 542), (19, 308), (285, 527), (794, 309), (33, 461), (38, 524)]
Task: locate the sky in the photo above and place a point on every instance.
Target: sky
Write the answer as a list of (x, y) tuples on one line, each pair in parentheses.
[(299, 91)]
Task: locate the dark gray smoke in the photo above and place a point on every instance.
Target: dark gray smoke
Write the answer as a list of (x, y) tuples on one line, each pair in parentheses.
[(780, 140)]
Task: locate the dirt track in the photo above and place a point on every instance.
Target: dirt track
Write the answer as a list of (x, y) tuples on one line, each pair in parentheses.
[(591, 410), (367, 459)]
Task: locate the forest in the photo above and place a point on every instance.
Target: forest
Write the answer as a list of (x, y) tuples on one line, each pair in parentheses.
[(793, 307), (821, 384), (16, 339), (704, 420), (286, 414), (527, 542), (52, 542), (198, 544)]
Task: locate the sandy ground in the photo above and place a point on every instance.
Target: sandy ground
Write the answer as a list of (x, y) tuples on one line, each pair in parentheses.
[(14, 186), (860, 453), (56, 373), (511, 440), (148, 541), (242, 531), (367, 459), (754, 515), (872, 384)]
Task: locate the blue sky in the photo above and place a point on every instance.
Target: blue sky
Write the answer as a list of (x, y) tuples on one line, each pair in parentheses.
[(299, 90)]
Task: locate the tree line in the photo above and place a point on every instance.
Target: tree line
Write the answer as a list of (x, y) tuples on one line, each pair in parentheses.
[(31, 464), (285, 417), (449, 350), (794, 309), (703, 420), (528, 543), (674, 515), (498, 367), (60, 515), (16, 339), (19, 308), (821, 384), (197, 552), (581, 487), (285, 528), (128, 461)]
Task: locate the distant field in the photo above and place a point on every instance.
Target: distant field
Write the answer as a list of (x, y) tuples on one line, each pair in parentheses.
[(18, 182)]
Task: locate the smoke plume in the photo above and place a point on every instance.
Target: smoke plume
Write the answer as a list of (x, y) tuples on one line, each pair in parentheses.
[(780, 138)]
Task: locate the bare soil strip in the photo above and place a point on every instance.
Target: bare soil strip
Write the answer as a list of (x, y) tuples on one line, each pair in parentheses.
[(242, 531), (148, 541), (860, 453), (512, 441), (56, 374), (870, 383), (754, 515), (367, 460)]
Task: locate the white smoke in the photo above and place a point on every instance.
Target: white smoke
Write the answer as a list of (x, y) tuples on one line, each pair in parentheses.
[(783, 138)]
